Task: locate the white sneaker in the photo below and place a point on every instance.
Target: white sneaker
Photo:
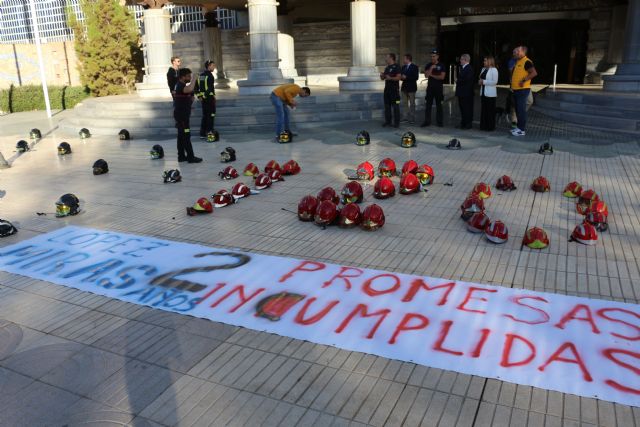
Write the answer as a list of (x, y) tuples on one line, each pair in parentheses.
[(518, 132)]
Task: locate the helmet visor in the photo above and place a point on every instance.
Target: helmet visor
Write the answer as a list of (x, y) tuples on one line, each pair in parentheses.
[(62, 210)]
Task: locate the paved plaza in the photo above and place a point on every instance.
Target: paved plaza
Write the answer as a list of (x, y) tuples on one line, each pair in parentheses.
[(69, 357)]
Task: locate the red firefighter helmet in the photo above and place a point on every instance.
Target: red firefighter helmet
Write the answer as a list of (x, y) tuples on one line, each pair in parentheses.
[(482, 189), (326, 213), (384, 188), (372, 217), (541, 185), (365, 171), (497, 232), (598, 220), (263, 181), (228, 173), (272, 164), (202, 205), (410, 166), (535, 238), (240, 190), (505, 183), (275, 175), (585, 233), (587, 197), (251, 170), (598, 206), (409, 184), (307, 208), (387, 167), (472, 204), (425, 175), (328, 193), (351, 193), (478, 222), (572, 190), (222, 198), (350, 215), (291, 168)]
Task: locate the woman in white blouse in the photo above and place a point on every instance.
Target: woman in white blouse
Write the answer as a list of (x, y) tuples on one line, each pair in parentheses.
[(488, 93)]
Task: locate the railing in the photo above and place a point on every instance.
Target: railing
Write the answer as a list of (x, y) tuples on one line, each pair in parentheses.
[(15, 19)]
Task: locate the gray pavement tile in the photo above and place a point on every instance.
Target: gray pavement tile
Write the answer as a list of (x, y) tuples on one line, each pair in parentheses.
[(38, 361)]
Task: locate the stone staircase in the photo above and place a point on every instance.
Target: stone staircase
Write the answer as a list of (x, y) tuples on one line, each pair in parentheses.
[(145, 117), (592, 108)]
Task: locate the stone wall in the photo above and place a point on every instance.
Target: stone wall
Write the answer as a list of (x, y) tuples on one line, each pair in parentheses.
[(600, 23), (21, 64), (323, 50)]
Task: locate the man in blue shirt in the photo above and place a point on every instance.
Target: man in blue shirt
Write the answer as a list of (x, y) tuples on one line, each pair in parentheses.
[(409, 77)]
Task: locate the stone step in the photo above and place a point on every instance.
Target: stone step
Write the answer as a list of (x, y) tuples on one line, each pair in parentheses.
[(592, 120), (589, 109), (630, 102)]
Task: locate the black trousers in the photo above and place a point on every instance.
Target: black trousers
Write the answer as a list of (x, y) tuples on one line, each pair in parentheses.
[(438, 97), (392, 102), (466, 111), (185, 149), (488, 113), (208, 115)]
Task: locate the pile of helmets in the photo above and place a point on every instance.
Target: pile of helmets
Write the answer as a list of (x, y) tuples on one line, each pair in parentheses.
[(473, 211), (324, 209), (594, 210), (271, 174), (413, 177)]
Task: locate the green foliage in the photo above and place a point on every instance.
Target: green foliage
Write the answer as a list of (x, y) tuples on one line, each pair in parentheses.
[(28, 98), (107, 46)]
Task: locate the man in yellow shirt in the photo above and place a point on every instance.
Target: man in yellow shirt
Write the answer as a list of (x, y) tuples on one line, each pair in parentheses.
[(283, 97), (523, 72)]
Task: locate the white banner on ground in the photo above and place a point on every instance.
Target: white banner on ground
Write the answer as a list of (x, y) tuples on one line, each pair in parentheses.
[(573, 345)]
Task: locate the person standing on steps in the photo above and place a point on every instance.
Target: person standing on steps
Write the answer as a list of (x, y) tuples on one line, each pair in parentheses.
[(464, 91), (182, 101), (435, 73), (523, 73), (409, 76), (172, 73), (488, 93), (391, 76), (207, 95)]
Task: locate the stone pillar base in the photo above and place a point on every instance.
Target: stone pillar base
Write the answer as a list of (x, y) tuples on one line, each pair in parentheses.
[(361, 78), (153, 90), (262, 82), (626, 79)]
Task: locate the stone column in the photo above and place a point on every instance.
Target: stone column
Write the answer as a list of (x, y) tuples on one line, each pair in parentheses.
[(627, 76), (264, 74), (157, 46), (363, 74), (212, 44), (286, 50)]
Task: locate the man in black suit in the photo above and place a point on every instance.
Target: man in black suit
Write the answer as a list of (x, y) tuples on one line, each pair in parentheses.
[(464, 91), (172, 74)]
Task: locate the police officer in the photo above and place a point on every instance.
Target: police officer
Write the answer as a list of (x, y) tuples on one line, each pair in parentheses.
[(207, 96), (435, 73), (391, 77), (182, 100)]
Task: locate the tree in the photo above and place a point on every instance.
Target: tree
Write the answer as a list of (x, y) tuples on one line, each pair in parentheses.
[(108, 47)]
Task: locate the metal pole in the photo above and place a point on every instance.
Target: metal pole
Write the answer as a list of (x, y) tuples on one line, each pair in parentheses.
[(555, 74), (450, 75), (43, 76)]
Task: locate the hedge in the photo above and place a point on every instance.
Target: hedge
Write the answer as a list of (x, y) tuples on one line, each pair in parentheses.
[(29, 98)]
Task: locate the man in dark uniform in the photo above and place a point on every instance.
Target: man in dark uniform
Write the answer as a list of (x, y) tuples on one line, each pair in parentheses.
[(172, 74), (464, 91), (435, 73), (391, 77), (207, 96), (182, 100)]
